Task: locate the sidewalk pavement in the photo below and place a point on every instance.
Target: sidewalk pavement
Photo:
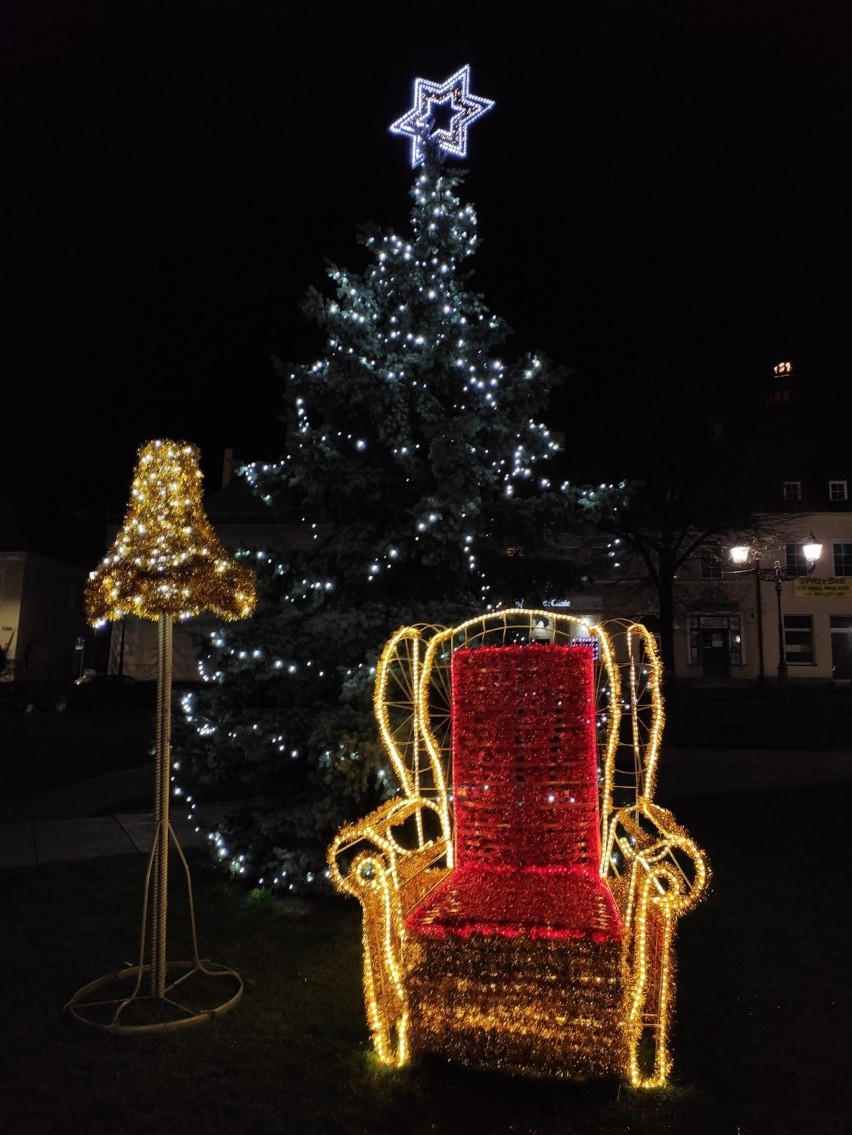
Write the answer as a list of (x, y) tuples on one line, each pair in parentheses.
[(93, 818), (90, 819)]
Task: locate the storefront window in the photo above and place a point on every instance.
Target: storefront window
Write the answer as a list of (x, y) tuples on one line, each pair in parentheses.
[(799, 640)]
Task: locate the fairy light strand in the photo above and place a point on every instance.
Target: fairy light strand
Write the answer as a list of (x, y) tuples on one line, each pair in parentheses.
[(460, 110), (166, 558)]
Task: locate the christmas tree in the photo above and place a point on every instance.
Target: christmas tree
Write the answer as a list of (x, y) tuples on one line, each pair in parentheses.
[(418, 460)]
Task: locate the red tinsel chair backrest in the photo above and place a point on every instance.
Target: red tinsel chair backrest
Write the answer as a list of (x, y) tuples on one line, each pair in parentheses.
[(524, 756)]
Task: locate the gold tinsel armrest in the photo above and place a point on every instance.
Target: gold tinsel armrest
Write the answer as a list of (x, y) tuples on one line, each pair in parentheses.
[(647, 839), (393, 841)]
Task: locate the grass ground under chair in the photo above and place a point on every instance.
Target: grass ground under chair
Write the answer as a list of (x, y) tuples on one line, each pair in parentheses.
[(761, 1041)]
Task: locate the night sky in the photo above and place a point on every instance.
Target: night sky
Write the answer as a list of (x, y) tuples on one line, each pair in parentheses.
[(661, 189)]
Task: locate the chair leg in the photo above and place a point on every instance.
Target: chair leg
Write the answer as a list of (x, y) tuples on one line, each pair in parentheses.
[(384, 990), (651, 990)]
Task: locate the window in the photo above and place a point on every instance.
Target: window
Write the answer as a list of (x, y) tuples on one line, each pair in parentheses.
[(795, 561), (777, 397), (842, 554), (840, 628), (837, 491), (711, 564), (792, 490), (799, 640)]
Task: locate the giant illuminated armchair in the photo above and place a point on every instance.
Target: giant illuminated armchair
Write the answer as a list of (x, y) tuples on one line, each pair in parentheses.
[(520, 895)]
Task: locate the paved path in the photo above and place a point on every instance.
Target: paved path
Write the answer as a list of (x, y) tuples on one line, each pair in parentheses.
[(89, 819)]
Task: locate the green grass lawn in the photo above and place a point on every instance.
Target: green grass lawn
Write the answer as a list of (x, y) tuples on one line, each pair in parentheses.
[(761, 1041)]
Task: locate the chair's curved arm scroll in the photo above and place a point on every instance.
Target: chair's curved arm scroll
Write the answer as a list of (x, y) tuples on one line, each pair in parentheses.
[(648, 838), (369, 860), (379, 840)]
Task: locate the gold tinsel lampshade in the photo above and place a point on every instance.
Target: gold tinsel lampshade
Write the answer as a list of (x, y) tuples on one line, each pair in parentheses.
[(166, 558)]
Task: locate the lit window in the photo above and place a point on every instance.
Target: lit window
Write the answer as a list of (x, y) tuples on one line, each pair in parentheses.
[(792, 490), (837, 491)]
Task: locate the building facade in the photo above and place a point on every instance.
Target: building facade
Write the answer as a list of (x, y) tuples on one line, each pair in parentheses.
[(44, 641), (775, 615)]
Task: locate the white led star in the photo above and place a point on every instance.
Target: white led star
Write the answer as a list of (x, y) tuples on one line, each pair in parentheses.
[(418, 124)]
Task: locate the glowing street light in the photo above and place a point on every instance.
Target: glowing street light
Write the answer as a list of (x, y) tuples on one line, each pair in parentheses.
[(740, 554)]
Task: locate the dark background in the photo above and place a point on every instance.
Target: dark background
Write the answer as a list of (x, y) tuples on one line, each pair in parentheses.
[(662, 192)]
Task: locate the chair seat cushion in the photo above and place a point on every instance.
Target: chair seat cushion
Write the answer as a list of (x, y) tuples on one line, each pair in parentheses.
[(530, 902)]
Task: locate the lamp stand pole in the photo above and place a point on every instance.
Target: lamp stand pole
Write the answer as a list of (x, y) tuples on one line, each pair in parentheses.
[(161, 807), (782, 657), (761, 674), (160, 1010)]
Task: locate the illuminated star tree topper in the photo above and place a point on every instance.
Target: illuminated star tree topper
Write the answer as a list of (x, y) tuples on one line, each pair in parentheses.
[(459, 110)]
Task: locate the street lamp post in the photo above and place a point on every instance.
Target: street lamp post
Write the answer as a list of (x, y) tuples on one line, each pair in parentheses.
[(779, 577), (740, 554)]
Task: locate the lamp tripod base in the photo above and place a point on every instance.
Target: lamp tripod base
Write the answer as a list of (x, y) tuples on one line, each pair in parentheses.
[(195, 992), (159, 996)]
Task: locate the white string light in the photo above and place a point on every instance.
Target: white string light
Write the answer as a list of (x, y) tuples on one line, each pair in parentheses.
[(418, 123)]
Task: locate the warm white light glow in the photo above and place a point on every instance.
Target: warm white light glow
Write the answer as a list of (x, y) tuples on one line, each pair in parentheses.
[(812, 550), (166, 557)]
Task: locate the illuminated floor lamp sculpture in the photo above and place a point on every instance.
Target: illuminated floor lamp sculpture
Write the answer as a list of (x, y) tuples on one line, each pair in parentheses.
[(166, 563)]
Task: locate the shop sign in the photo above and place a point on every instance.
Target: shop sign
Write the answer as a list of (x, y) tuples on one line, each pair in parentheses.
[(837, 588)]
